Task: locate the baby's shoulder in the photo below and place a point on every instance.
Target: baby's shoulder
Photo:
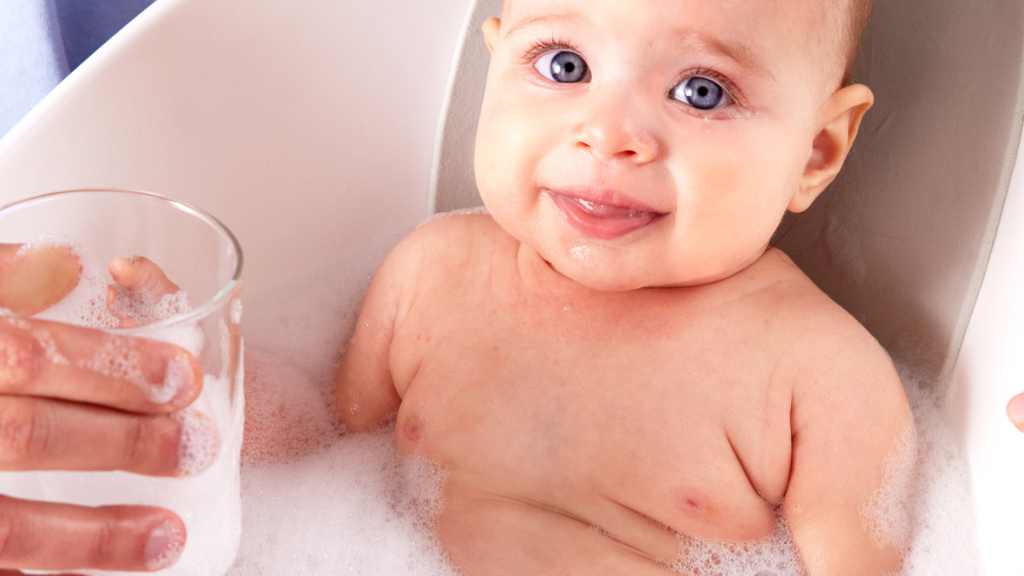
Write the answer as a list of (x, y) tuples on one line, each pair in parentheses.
[(446, 244), (827, 349), (445, 229)]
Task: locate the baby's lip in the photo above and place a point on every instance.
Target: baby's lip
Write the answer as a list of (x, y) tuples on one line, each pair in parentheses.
[(602, 214)]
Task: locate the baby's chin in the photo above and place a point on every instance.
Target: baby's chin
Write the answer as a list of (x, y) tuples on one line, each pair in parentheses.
[(621, 276), (604, 276)]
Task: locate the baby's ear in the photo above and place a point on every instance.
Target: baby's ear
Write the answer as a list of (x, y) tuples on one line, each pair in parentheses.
[(838, 127), (491, 27)]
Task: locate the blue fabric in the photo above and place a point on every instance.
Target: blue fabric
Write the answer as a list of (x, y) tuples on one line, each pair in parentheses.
[(86, 24), (41, 41)]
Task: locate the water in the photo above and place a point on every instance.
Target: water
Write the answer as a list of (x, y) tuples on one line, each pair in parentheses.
[(207, 501), (316, 504)]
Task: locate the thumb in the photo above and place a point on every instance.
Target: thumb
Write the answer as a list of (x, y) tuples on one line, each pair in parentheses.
[(33, 279)]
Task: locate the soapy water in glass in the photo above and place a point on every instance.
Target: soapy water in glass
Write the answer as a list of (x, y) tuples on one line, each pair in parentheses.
[(211, 427), (315, 504)]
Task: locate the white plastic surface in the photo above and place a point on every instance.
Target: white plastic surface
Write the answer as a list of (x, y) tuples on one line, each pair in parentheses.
[(309, 127), (988, 372), (295, 122)]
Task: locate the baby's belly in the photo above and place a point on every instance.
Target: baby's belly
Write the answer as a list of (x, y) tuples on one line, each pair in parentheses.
[(568, 501), (488, 535)]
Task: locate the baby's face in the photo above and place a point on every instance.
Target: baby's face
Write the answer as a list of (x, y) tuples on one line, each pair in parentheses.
[(643, 143)]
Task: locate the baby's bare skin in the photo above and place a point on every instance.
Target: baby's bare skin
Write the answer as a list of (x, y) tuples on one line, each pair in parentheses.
[(583, 430), (613, 357)]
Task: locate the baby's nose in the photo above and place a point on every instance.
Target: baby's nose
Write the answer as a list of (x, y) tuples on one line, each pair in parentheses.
[(615, 126)]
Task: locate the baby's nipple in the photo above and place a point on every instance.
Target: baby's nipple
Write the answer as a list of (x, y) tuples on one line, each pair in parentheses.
[(412, 429)]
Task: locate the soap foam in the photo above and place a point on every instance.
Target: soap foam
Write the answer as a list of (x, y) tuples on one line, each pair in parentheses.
[(117, 357), (86, 305), (775, 555), (944, 537), (356, 507), (49, 348), (146, 308), (316, 503), (286, 416), (199, 442), (177, 376), (887, 515)]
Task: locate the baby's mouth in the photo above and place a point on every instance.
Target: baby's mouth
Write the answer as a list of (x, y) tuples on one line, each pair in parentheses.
[(601, 220)]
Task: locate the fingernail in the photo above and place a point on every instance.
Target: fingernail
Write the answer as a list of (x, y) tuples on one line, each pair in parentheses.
[(164, 546), (199, 442), (1015, 410), (178, 378)]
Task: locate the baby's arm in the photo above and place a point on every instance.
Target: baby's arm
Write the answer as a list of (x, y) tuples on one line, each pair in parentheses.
[(852, 462), (365, 393), (374, 374), (368, 390)]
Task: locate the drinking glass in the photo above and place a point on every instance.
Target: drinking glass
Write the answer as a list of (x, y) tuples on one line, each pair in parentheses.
[(200, 255)]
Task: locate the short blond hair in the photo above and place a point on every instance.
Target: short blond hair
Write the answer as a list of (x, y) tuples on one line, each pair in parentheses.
[(858, 14)]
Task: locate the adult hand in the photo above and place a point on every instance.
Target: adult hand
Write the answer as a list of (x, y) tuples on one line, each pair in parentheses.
[(74, 398), (1015, 410)]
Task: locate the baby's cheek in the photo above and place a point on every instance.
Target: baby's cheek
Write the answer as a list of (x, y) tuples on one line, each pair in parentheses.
[(725, 187), (510, 146), (497, 151), (728, 211)]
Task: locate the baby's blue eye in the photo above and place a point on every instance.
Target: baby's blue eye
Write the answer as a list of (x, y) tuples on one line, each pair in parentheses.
[(700, 93), (562, 66)]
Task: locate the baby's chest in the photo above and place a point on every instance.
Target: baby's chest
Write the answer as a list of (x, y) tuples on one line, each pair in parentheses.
[(576, 416)]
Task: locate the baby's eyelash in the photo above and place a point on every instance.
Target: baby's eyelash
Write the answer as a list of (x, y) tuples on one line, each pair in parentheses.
[(547, 46), (730, 88)]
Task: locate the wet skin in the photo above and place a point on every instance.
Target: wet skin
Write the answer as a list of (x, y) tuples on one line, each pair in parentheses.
[(612, 357), (584, 430)]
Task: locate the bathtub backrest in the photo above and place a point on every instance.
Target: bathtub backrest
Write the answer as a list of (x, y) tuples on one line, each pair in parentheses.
[(453, 185), (902, 238)]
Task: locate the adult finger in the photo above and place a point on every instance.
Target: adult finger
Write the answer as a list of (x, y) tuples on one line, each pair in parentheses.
[(56, 360), (1015, 410), (140, 287), (62, 537), (33, 279), (139, 273), (37, 434)]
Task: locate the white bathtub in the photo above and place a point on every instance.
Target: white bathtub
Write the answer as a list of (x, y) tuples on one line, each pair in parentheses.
[(351, 119)]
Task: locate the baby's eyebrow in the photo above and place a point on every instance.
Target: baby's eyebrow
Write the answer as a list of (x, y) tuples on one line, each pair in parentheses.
[(736, 51), (531, 20)]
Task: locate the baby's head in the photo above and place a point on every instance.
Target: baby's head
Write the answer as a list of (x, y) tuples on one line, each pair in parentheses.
[(643, 143)]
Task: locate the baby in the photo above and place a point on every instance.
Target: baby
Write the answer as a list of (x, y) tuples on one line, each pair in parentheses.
[(614, 357)]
